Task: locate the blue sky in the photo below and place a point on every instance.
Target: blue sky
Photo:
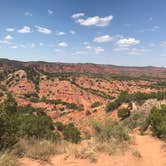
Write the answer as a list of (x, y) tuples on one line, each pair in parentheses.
[(120, 32)]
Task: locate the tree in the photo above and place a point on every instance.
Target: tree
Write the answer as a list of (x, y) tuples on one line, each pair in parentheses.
[(10, 104)]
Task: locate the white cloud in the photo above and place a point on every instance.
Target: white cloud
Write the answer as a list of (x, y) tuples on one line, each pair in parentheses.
[(28, 14), (43, 30), (8, 37), (4, 42), (78, 15), (103, 39), (72, 32), (25, 29), (23, 46), (88, 47), (126, 42), (96, 21), (10, 29), (57, 50), (85, 43), (33, 45), (155, 28), (63, 44), (61, 33), (14, 46), (99, 50), (41, 44), (80, 53), (136, 51), (50, 12)]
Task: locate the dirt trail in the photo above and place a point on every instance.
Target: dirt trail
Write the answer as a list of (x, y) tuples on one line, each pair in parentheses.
[(150, 149)]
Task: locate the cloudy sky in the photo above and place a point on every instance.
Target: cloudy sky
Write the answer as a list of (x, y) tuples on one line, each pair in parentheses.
[(120, 32)]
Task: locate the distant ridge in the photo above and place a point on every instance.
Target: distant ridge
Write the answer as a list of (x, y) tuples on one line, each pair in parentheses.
[(59, 67)]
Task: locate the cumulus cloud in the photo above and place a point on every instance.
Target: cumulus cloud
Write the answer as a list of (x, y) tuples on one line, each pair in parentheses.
[(50, 12), (103, 39), (5, 42), (43, 30), (80, 53), (63, 44), (96, 21), (72, 32), (10, 29), (28, 14), (88, 47), (77, 15), (61, 33), (14, 46), (8, 37), (99, 50), (25, 29), (126, 42)]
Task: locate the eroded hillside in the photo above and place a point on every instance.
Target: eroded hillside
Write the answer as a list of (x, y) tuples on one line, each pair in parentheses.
[(67, 95)]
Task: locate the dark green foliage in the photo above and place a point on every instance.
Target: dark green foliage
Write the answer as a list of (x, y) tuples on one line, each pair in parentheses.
[(10, 104), (1, 94), (96, 104), (18, 122), (157, 120), (60, 126), (123, 113), (8, 131), (138, 97), (72, 106), (71, 133), (33, 76)]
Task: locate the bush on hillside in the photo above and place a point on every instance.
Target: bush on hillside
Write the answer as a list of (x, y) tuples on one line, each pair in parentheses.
[(95, 104), (109, 130), (71, 133), (15, 124), (123, 113), (157, 120)]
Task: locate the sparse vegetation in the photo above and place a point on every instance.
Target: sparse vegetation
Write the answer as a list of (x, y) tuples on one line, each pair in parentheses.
[(15, 124), (95, 104), (123, 113), (139, 97), (7, 159), (35, 148), (157, 120)]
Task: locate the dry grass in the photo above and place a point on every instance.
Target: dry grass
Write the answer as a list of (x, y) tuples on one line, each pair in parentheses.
[(112, 147), (38, 149), (8, 159), (136, 154)]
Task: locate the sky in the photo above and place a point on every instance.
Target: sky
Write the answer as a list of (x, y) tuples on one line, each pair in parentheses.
[(119, 32)]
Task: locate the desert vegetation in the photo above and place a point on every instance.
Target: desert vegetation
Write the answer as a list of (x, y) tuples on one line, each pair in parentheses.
[(76, 114)]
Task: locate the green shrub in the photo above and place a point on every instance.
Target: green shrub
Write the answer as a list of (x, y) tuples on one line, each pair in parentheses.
[(60, 126), (95, 104), (157, 120), (123, 113), (10, 104), (71, 133), (15, 124), (1, 94), (109, 130), (137, 119)]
